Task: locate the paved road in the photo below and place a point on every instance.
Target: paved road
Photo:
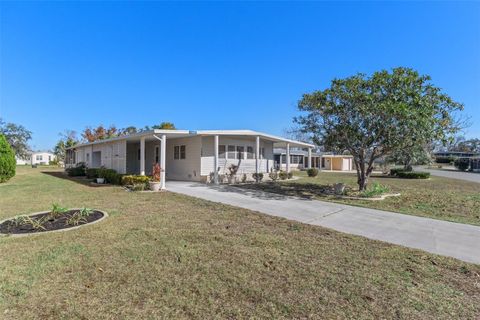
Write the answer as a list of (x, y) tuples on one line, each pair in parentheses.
[(448, 173), (456, 240)]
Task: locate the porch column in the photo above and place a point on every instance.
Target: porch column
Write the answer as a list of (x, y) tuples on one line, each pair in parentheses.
[(142, 156), (163, 151), (309, 158), (215, 159), (257, 154), (288, 158)]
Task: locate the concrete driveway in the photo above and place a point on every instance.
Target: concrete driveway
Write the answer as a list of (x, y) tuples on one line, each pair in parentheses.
[(456, 240), (454, 174)]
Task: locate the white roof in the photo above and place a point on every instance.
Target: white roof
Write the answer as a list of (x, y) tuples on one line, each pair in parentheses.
[(278, 141)]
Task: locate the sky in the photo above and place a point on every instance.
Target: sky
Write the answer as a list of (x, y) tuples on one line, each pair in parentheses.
[(217, 65)]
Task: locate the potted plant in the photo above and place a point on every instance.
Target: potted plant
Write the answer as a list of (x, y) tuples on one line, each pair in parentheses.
[(232, 173), (101, 176), (155, 181)]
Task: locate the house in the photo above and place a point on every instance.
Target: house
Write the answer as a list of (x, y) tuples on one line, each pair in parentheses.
[(450, 156), (203, 155), (36, 158), (41, 158), (22, 161)]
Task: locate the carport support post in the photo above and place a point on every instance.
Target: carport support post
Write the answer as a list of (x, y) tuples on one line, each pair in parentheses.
[(288, 158), (257, 155), (215, 159), (309, 158), (142, 156), (163, 151)]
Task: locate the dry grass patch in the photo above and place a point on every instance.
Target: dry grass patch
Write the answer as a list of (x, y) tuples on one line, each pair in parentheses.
[(172, 256)]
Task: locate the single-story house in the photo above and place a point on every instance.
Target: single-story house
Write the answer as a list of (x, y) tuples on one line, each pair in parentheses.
[(37, 158), (202, 155), (475, 164)]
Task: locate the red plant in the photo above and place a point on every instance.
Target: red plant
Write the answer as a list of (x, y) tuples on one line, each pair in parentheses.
[(156, 172)]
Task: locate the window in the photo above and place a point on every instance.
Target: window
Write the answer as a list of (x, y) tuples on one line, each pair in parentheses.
[(240, 152), (262, 153), (221, 152), (231, 152), (179, 152), (88, 157), (138, 154), (182, 152), (39, 157), (49, 158), (156, 154), (250, 154)]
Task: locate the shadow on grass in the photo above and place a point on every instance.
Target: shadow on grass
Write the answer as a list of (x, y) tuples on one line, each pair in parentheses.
[(307, 191), (81, 180)]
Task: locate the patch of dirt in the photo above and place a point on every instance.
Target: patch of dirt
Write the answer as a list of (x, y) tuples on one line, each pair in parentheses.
[(63, 221)]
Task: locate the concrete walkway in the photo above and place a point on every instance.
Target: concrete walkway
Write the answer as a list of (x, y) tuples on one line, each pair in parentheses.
[(456, 240)]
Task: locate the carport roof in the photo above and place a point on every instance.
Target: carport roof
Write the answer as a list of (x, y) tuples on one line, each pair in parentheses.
[(278, 141)]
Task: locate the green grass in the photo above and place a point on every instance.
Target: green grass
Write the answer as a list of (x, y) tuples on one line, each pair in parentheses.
[(438, 197), (171, 256)]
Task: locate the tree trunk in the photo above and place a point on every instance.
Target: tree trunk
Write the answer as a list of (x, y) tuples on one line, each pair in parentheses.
[(362, 182)]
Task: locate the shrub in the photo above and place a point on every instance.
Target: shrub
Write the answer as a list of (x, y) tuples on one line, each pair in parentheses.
[(394, 172), (77, 171), (290, 175), (257, 176), (92, 173), (312, 172), (132, 180), (244, 178), (282, 175), (110, 175), (375, 190), (7, 160), (413, 175), (273, 175), (462, 164)]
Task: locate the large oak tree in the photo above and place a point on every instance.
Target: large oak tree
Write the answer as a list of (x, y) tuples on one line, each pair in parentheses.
[(374, 116)]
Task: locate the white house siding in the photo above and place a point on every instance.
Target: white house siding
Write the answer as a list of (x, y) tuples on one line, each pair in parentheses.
[(113, 155), (245, 165), (188, 168), (46, 157)]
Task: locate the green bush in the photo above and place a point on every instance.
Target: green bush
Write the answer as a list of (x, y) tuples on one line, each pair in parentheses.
[(110, 175), (257, 176), (413, 175), (283, 175), (395, 171), (312, 172), (7, 160), (290, 175), (375, 190), (462, 164), (132, 180), (77, 171), (92, 173), (273, 175)]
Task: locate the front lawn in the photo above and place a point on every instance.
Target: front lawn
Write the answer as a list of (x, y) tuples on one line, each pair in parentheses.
[(172, 256), (438, 197)]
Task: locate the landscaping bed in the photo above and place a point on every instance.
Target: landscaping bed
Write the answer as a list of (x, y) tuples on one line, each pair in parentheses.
[(49, 221)]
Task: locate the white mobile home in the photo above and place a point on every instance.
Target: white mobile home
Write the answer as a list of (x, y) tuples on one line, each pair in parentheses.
[(184, 155)]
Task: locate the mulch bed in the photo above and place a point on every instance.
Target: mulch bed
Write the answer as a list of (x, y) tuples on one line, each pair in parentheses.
[(10, 227)]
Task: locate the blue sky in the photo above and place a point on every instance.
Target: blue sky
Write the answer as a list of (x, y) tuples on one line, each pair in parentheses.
[(217, 65)]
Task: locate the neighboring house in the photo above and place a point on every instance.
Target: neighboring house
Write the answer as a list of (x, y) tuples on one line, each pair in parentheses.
[(22, 162), (475, 164), (41, 157), (337, 162), (202, 155), (448, 156)]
